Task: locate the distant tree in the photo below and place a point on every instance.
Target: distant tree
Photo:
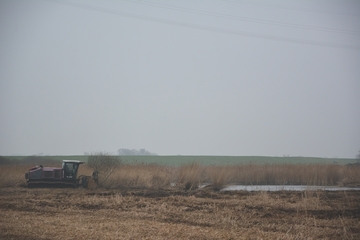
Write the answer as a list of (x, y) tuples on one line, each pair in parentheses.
[(125, 152), (103, 164), (358, 157), (134, 152), (144, 152)]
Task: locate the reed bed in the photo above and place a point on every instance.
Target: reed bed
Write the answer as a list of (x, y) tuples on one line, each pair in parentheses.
[(324, 175), (139, 176), (190, 176), (13, 175)]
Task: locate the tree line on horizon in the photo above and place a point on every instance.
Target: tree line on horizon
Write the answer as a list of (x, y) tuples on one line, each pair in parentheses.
[(135, 152)]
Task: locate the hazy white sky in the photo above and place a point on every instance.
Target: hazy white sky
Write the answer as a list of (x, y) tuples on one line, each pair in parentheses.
[(194, 77)]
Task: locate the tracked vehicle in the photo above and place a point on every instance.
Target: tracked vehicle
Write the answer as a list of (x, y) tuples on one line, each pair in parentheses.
[(66, 176)]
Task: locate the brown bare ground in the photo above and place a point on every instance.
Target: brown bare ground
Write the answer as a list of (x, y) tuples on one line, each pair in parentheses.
[(140, 204), (177, 214)]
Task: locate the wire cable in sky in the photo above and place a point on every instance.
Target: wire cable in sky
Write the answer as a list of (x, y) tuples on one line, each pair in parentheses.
[(207, 28), (291, 8), (220, 15)]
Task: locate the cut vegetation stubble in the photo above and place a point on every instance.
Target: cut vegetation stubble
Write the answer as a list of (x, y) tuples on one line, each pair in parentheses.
[(162, 202)]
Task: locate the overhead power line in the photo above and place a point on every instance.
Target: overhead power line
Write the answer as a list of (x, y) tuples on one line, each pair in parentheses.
[(292, 8), (234, 17), (207, 28)]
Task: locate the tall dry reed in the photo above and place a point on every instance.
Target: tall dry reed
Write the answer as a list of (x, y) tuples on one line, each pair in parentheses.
[(288, 174), (190, 176), (13, 175), (218, 176), (140, 176)]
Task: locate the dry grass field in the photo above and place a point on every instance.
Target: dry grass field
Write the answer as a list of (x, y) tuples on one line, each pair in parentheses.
[(158, 202), (171, 214)]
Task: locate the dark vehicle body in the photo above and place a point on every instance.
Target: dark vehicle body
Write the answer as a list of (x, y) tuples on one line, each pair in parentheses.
[(64, 176)]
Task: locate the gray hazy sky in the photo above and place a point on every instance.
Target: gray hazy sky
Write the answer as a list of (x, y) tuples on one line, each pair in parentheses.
[(190, 77)]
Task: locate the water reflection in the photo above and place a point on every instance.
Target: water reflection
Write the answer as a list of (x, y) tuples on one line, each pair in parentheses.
[(274, 188)]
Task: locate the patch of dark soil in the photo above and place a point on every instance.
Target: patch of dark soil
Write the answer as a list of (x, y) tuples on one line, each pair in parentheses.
[(20, 237), (50, 185), (208, 194), (236, 193), (175, 219), (256, 207), (286, 194), (158, 193), (104, 192), (267, 215), (89, 206), (153, 194), (8, 206), (334, 214), (354, 230)]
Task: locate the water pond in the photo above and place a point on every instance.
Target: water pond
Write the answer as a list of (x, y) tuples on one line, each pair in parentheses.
[(274, 188)]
